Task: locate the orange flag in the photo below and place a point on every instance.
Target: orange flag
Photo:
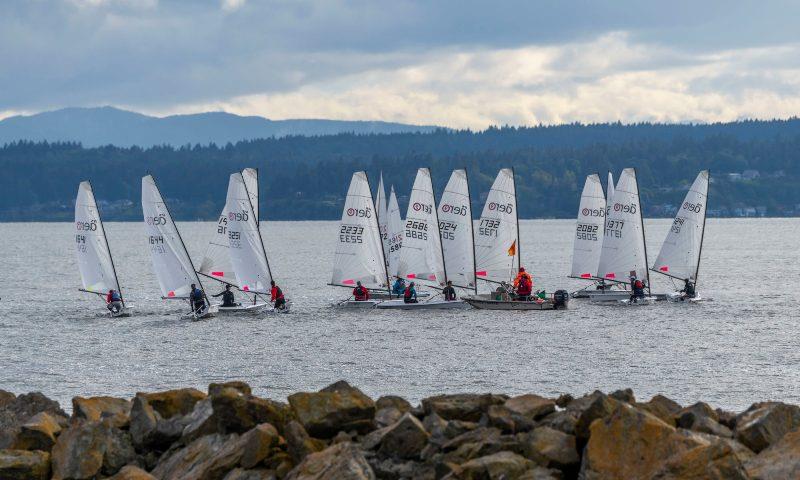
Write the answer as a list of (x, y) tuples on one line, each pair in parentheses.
[(513, 249)]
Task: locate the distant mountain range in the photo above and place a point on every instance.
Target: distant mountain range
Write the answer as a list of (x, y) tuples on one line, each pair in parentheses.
[(108, 125)]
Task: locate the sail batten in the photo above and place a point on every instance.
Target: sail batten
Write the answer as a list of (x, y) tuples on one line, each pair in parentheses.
[(455, 228), (171, 261), (359, 253), (497, 235), (421, 258), (95, 264), (680, 253), (589, 232)]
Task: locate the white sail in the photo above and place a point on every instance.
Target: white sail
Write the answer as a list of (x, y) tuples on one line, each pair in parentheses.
[(455, 226), (680, 255), (589, 232), (216, 260), (382, 210), (171, 261), (421, 256), (250, 176), (246, 246), (394, 226), (91, 245), (623, 247), (359, 255), (609, 192), (497, 237)]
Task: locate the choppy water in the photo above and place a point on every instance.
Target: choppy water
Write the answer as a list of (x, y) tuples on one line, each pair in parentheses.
[(739, 348)]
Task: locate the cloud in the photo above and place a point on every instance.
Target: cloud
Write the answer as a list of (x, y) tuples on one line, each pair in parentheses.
[(456, 63)]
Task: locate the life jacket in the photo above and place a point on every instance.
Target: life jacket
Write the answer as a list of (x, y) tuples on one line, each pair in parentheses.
[(524, 287), (197, 295), (638, 284), (407, 293), (277, 293), (360, 293), (115, 297)]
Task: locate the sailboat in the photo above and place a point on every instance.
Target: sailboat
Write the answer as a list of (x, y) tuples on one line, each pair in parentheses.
[(359, 253), (394, 226), (246, 246), (171, 262), (457, 232), (422, 258), (624, 253), (497, 250), (216, 263), (588, 242), (679, 257), (98, 274)]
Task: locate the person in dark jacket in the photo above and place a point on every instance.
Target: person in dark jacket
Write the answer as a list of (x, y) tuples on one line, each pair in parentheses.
[(688, 289), (197, 298), (228, 299), (449, 292), (114, 301)]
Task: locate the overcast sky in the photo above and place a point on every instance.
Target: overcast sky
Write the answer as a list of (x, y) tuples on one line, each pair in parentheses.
[(458, 63)]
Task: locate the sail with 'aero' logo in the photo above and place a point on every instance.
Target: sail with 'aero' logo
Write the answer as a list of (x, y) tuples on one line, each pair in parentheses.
[(247, 253), (171, 261), (624, 250), (94, 257), (497, 249), (216, 262), (455, 226), (589, 231), (680, 255), (421, 257), (359, 248)]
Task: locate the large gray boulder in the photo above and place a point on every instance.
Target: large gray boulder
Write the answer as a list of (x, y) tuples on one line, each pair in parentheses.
[(338, 407)]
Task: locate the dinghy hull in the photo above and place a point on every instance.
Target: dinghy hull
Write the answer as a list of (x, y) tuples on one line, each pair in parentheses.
[(437, 304), (240, 309), (126, 311), (364, 304)]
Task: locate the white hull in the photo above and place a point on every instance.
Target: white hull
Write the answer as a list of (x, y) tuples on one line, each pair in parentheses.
[(271, 310), (126, 311), (249, 308), (488, 302), (619, 295), (679, 297), (638, 302), (434, 304), (383, 295), (209, 312), (355, 304), (588, 292)]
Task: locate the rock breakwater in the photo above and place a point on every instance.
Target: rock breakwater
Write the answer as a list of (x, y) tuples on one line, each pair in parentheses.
[(227, 433)]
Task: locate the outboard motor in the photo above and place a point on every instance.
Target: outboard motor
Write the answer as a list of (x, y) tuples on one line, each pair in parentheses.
[(560, 299)]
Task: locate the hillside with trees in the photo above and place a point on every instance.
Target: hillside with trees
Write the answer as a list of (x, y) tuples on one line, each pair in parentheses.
[(755, 169)]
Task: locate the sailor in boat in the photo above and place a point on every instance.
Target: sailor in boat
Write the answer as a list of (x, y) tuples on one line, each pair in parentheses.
[(228, 300), (276, 296), (197, 299), (688, 289), (410, 295), (449, 292), (113, 301), (523, 285), (637, 287), (399, 286), (360, 293)]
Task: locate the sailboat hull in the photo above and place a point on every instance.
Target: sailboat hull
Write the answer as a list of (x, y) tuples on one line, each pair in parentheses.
[(363, 304), (209, 312), (678, 297), (433, 304), (125, 311), (249, 308)]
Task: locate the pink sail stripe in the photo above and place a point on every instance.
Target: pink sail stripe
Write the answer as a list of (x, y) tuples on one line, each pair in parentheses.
[(665, 268), (611, 275), (586, 275), (349, 282), (482, 273), (217, 274), (411, 275)]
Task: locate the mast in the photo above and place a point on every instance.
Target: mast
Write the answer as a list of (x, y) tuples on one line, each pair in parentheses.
[(516, 209), (180, 237), (105, 238), (436, 214), (641, 220), (703, 231), (378, 225), (258, 221), (258, 225), (472, 230)]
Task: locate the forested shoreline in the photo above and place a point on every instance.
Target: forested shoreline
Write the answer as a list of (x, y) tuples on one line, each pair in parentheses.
[(755, 169)]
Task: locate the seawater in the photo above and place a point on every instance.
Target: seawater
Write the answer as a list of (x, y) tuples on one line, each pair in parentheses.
[(739, 348)]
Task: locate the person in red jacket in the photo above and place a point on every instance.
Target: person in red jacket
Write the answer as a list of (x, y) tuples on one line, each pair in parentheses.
[(360, 293), (276, 295), (524, 288), (114, 301)]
